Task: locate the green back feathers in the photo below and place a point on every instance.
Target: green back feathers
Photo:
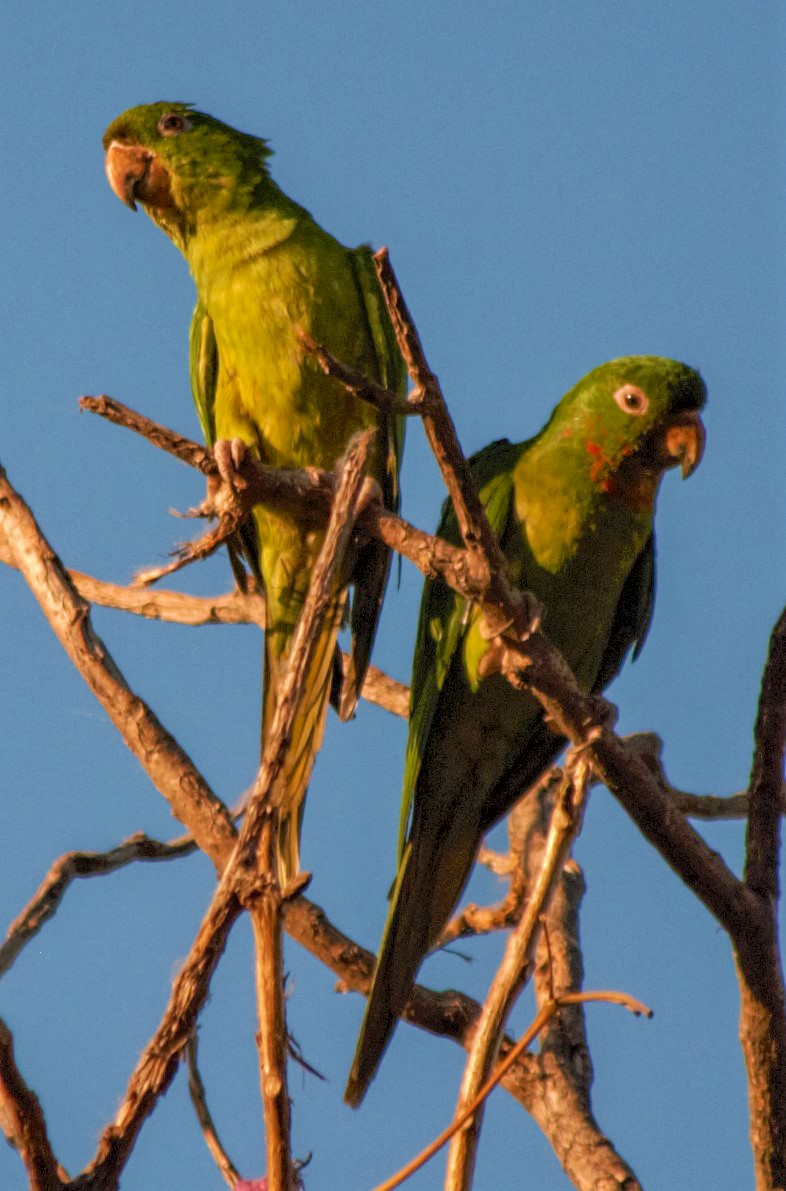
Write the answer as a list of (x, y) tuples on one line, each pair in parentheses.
[(542, 496)]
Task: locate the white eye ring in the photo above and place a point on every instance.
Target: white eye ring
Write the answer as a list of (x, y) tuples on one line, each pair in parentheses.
[(632, 400), (172, 124)]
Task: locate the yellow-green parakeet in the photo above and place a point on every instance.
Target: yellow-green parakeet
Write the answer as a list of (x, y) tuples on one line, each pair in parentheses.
[(573, 509), (263, 268)]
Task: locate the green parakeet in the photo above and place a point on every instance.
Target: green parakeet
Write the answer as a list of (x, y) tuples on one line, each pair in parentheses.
[(573, 509), (263, 267)]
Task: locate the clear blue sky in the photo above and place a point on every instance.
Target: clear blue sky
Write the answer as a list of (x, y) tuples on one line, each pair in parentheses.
[(558, 185)]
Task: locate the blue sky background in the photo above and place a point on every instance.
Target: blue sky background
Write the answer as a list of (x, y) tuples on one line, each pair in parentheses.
[(558, 185)]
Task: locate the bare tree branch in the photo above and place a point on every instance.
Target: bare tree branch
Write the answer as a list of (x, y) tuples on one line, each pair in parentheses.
[(310, 493), (515, 969), (466, 1116), (383, 691), (710, 806), (243, 882), (757, 954), (586, 1153), (196, 1090), (575, 713), (44, 903), (159, 1061), (234, 607), (584, 720), (265, 802), (479, 573), (160, 436), (766, 782), (474, 527), (649, 746), (169, 768), (385, 400), (23, 1124)]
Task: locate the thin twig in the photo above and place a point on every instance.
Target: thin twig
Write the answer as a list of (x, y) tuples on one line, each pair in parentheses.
[(160, 436), (427, 398), (544, 1015), (475, 920), (385, 400), (196, 1090), (516, 966), (67, 868), (711, 807), (196, 550), (649, 746), (174, 607)]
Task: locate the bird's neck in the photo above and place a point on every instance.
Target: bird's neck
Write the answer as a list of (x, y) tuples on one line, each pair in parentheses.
[(239, 224), (224, 245), (570, 510)]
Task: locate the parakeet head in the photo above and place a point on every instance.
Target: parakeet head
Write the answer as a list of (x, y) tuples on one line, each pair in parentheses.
[(181, 164), (629, 420)]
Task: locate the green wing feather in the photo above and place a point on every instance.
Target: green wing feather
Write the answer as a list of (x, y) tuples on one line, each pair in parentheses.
[(371, 569), (633, 617), (391, 371), (203, 360), (444, 616), (203, 367), (629, 628)]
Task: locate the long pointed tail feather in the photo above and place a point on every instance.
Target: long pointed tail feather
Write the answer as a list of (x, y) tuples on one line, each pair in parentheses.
[(433, 871), (308, 728), (370, 575)]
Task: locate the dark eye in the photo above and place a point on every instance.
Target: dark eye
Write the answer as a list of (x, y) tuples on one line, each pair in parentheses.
[(172, 124), (631, 399)]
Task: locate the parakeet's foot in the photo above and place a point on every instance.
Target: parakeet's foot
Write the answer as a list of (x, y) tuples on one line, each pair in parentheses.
[(229, 454)]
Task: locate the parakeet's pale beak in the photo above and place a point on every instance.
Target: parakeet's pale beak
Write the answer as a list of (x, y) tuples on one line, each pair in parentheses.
[(683, 439), (136, 174)]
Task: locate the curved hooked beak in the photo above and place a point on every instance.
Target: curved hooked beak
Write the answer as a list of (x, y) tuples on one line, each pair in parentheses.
[(683, 442), (136, 174)]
